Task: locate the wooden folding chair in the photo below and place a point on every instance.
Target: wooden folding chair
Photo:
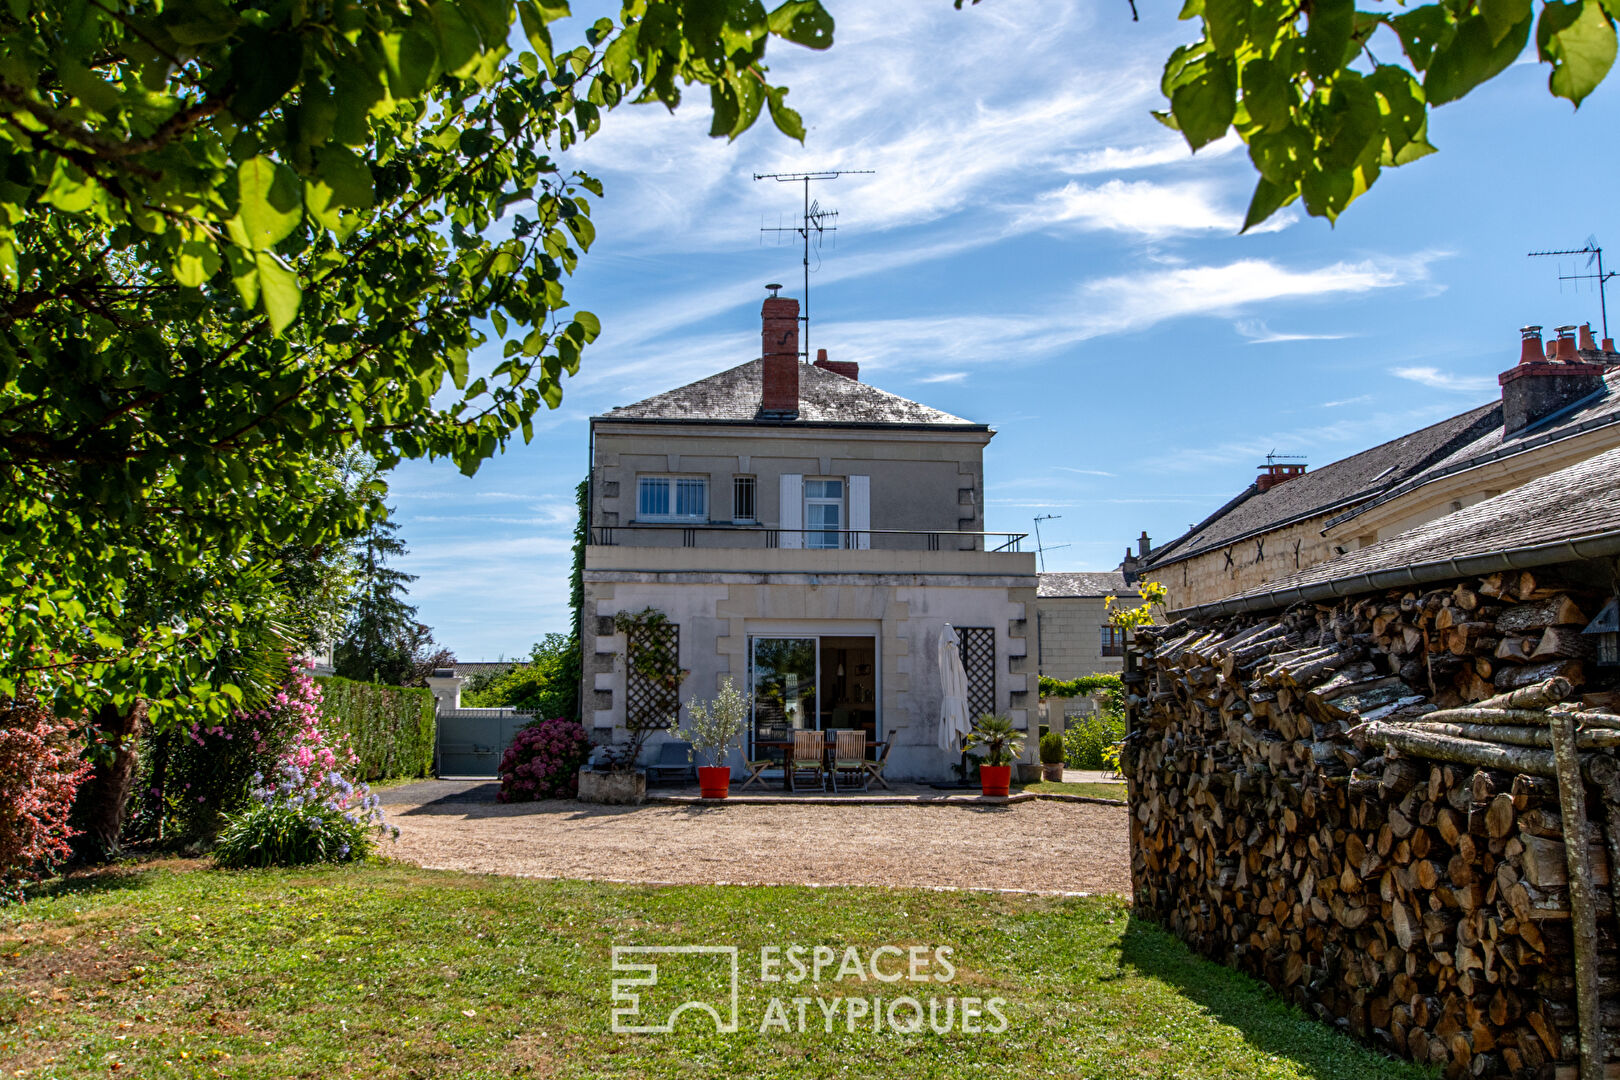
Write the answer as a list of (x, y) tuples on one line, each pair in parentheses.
[(756, 771), (809, 760), (874, 765), (849, 760)]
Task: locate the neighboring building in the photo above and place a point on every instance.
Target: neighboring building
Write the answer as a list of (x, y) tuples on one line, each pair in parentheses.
[(809, 536), (1560, 405), (1075, 636)]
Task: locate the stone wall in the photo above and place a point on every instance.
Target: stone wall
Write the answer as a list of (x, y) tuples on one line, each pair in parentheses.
[(1071, 640)]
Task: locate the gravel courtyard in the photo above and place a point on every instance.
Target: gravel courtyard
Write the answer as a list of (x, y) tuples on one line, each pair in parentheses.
[(1042, 846)]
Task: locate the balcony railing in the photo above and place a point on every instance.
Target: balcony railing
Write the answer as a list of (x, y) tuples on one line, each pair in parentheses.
[(759, 536)]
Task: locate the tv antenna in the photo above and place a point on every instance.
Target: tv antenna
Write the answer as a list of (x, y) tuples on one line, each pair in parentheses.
[(1274, 457), (814, 220), (1594, 253), (1041, 549)]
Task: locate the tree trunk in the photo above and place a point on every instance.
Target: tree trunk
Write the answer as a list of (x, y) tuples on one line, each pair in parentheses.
[(100, 806)]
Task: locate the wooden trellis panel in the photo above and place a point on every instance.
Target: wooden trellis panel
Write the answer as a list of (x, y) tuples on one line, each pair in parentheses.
[(650, 704), (978, 645)]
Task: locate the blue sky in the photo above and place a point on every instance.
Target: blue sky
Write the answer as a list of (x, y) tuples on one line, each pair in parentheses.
[(1036, 252)]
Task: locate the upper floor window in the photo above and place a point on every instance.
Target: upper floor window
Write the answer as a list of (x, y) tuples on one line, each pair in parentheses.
[(1113, 640), (824, 513), (742, 499), (672, 497)]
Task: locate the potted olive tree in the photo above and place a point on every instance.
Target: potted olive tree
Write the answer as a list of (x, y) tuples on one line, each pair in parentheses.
[(1052, 756), (1002, 744), (713, 730)]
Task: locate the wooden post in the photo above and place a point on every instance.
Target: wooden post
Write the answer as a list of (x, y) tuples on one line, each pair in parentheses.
[(1582, 904)]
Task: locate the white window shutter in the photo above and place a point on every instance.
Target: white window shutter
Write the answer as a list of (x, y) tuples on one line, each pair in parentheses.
[(860, 511), (790, 513)]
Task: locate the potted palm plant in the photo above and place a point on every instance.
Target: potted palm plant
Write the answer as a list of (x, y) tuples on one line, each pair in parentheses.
[(1002, 744), (1052, 756), (713, 730)]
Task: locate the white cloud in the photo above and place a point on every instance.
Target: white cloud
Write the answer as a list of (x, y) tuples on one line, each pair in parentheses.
[(945, 377), (1259, 333), (1082, 472), (1145, 208), (1436, 379), (1357, 400), (1171, 151)]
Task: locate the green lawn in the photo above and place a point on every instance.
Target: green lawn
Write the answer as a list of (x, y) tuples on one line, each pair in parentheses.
[(388, 971), (1095, 791)]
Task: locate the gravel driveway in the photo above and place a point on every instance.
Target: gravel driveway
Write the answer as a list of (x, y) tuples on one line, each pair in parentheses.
[(1042, 846)]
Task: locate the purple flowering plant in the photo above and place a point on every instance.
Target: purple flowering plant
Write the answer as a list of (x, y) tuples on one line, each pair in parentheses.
[(543, 761)]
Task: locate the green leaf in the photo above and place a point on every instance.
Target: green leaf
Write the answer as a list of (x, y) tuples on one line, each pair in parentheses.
[(1327, 37), (1404, 109), (1501, 16), (1204, 100), (69, 189), (589, 323), (1267, 93), (1422, 30), (343, 182), (1281, 156), (244, 275), (279, 287), (269, 204), (787, 120), (195, 260), (1578, 40), (535, 29), (1470, 58), (1268, 199), (1227, 22), (803, 22), (266, 67), (412, 62)]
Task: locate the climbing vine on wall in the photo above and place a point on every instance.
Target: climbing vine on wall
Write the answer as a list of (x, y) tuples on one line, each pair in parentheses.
[(653, 669)]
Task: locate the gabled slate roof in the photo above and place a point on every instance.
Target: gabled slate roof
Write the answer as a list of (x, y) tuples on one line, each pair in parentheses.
[(1570, 514), (1598, 411), (1340, 485), (1056, 586), (824, 398)]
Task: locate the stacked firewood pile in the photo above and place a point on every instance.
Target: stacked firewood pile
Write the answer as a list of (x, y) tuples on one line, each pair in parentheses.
[(1367, 805)]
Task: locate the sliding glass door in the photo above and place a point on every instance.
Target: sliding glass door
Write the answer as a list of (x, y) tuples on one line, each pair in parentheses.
[(811, 683)]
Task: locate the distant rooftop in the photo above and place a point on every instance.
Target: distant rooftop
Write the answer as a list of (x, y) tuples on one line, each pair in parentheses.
[(1056, 586), (734, 396)]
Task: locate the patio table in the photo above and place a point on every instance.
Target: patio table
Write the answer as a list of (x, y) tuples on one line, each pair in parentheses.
[(786, 746)]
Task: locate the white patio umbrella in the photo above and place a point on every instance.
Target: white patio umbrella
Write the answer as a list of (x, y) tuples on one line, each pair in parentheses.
[(953, 710)]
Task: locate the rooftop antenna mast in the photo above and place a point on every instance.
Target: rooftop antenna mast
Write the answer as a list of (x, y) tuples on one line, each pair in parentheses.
[(1041, 549), (1594, 253), (815, 220)]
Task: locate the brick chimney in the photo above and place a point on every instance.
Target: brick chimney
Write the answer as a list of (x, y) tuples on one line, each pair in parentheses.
[(847, 368), (1277, 472), (1543, 383), (779, 349)]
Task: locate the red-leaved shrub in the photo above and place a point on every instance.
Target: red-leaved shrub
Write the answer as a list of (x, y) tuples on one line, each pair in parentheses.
[(40, 772), (543, 761)]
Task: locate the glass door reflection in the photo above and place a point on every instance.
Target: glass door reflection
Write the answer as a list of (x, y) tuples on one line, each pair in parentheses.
[(784, 679)]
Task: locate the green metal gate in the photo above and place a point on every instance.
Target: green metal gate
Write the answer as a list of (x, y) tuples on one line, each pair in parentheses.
[(471, 741)]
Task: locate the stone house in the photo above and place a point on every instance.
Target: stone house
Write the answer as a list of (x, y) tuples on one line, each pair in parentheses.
[(1075, 636), (1559, 405), (808, 536)]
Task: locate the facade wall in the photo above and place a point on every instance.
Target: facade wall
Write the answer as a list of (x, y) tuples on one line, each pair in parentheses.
[(1246, 564), (920, 480), (717, 610), (1071, 638)]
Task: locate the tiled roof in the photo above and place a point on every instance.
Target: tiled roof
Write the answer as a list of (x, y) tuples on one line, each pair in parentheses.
[(824, 398), (1582, 500), (1490, 445), (1342, 484), (1099, 583)]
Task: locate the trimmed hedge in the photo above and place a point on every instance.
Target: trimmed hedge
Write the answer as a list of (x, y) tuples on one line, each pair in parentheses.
[(391, 729)]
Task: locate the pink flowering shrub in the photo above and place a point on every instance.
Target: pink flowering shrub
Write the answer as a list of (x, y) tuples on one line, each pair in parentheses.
[(195, 775), (40, 771), (543, 761)]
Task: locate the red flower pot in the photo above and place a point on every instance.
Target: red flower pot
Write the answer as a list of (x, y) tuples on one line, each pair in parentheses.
[(995, 779), (714, 781)]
